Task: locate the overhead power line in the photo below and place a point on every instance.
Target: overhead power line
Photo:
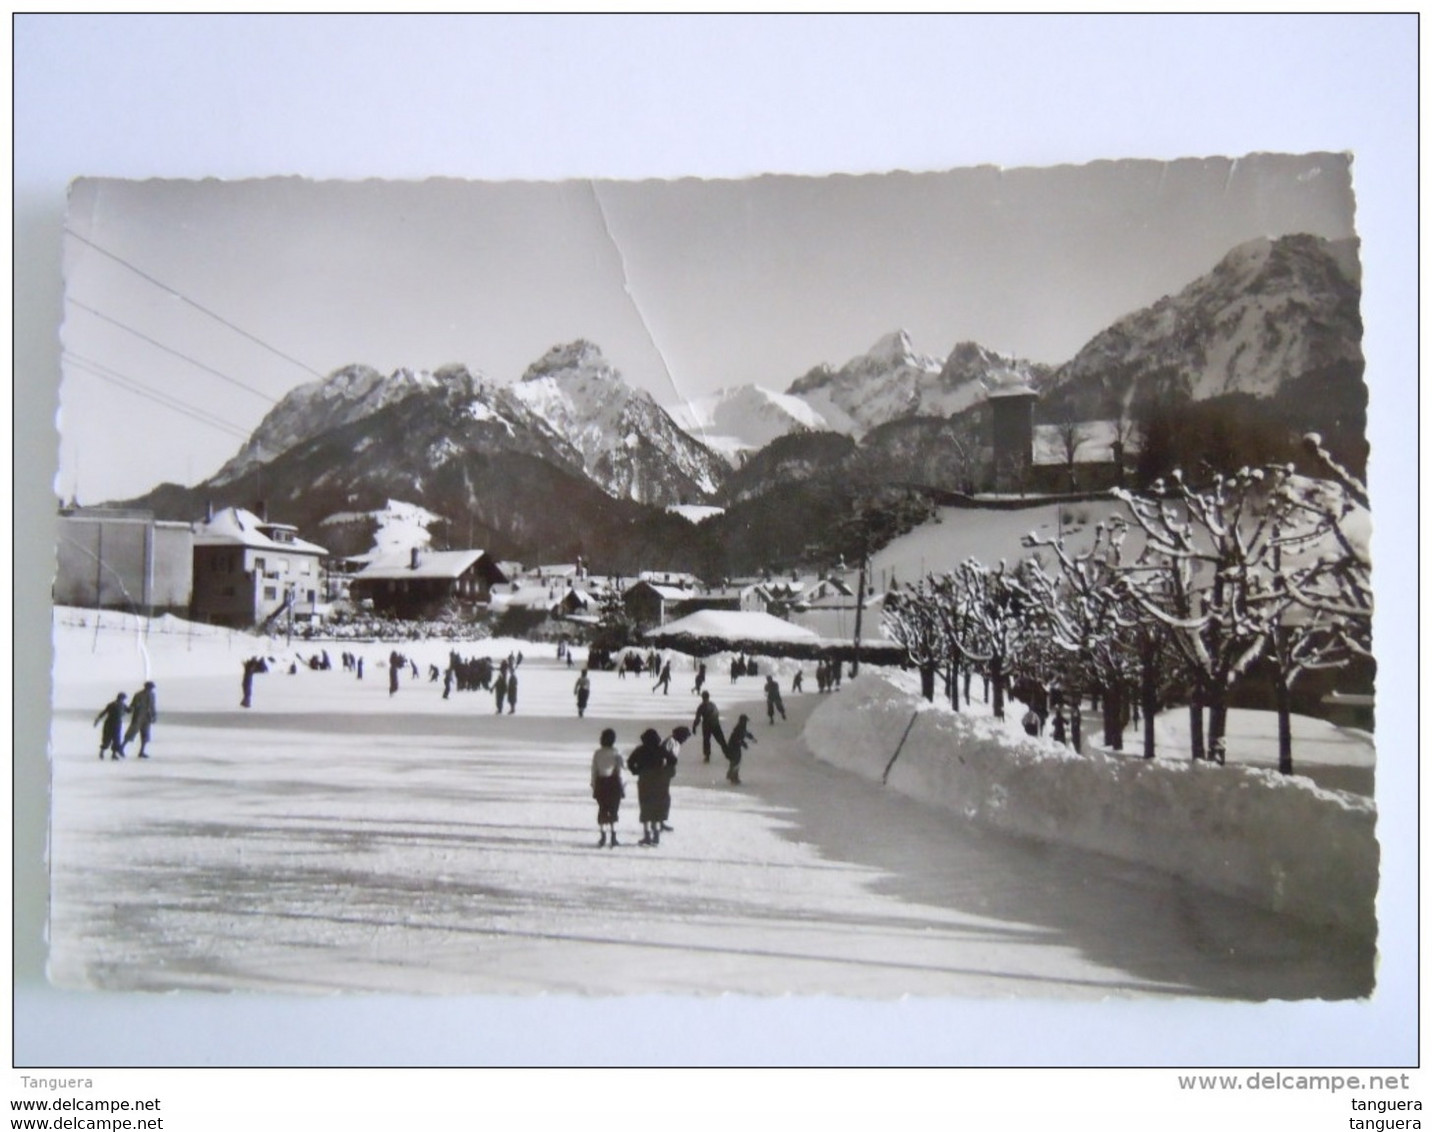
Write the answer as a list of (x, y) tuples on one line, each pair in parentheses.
[(130, 385), (168, 289), (170, 350)]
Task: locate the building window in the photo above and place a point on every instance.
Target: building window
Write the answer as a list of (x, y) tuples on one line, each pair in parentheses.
[(270, 593), (259, 565)]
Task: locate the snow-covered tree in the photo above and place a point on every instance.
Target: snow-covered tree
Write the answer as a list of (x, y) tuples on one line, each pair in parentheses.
[(1204, 551), (1317, 600), (1081, 610), (912, 619)]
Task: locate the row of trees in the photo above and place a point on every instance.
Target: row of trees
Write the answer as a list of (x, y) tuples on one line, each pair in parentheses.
[(1173, 601)]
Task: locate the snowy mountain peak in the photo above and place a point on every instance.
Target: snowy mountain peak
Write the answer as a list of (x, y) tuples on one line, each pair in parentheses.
[(571, 359), (892, 381), (1269, 313), (348, 394)]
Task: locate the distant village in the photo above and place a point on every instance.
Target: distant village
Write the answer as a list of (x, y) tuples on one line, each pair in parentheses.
[(242, 569)]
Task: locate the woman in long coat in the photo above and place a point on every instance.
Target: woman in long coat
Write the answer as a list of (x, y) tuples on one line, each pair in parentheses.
[(653, 766)]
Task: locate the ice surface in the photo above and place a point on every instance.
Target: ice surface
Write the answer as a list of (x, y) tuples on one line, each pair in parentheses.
[(336, 837)]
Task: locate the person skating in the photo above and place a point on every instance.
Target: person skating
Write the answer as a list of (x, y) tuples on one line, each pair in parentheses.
[(673, 743), (700, 676), (499, 687), (111, 735), (653, 765), (774, 703), (607, 786), (735, 744), (143, 713), (583, 689), (796, 680), (512, 691), (708, 719), (253, 665), (664, 680)]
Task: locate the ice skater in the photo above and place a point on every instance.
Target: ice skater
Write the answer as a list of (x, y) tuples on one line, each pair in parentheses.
[(111, 736), (774, 703), (607, 786), (664, 680), (143, 713), (654, 767), (583, 689), (735, 744), (708, 719)]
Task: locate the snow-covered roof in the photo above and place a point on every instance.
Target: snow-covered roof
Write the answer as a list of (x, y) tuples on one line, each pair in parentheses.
[(668, 578), (735, 626), (428, 564), (234, 526), (666, 593)]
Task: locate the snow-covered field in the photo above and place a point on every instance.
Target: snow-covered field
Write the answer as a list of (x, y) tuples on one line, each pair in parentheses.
[(335, 837)]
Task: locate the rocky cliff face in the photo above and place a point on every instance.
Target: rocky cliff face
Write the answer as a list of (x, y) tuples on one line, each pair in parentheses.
[(1270, 314)]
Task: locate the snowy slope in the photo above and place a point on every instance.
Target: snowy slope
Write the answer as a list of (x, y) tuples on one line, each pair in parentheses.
[(400, 527), (731, 421)]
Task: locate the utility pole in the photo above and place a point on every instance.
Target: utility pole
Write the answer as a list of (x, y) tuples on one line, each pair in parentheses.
[(859, 610)]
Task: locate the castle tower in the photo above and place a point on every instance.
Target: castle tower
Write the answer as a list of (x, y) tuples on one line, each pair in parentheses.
[(1012, 407)]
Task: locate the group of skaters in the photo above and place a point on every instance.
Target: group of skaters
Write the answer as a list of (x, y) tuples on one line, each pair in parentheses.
[(653, 764), (142, 711)]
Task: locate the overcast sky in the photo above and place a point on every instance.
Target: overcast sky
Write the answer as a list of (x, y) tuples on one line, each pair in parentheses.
[(192, 306)]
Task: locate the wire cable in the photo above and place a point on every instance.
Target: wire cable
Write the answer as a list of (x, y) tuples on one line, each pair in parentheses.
[(170, 350), (131, 385), (170, 290)]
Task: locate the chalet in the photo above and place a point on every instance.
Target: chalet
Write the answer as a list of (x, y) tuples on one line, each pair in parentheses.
[(247, 570), (419, 582), (116, 559), (648, 603)]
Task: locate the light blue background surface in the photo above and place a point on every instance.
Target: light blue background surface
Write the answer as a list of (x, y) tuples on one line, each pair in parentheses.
[(634, 97)]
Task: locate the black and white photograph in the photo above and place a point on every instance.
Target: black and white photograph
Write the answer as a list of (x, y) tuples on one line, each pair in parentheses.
[(1033, 499), (942, 588)]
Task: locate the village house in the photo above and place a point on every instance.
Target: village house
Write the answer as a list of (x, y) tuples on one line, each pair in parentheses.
[(419, 582), (116, 559), (248, 570)]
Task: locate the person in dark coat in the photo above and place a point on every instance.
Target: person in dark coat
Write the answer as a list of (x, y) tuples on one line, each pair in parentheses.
[(583, 689), (653, 766), (499, 688), (774, 703), (143, 712), (512, 691), (708, 719), (252, 665), (607, 786), (796, 680), (664, 680), (700, 676), (111, 735), (735, 744), (392, 678)]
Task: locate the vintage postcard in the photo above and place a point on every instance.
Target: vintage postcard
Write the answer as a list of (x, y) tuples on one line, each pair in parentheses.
[(942, 585)]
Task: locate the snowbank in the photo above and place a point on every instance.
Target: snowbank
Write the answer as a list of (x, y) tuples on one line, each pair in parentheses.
[(1278, 842)]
